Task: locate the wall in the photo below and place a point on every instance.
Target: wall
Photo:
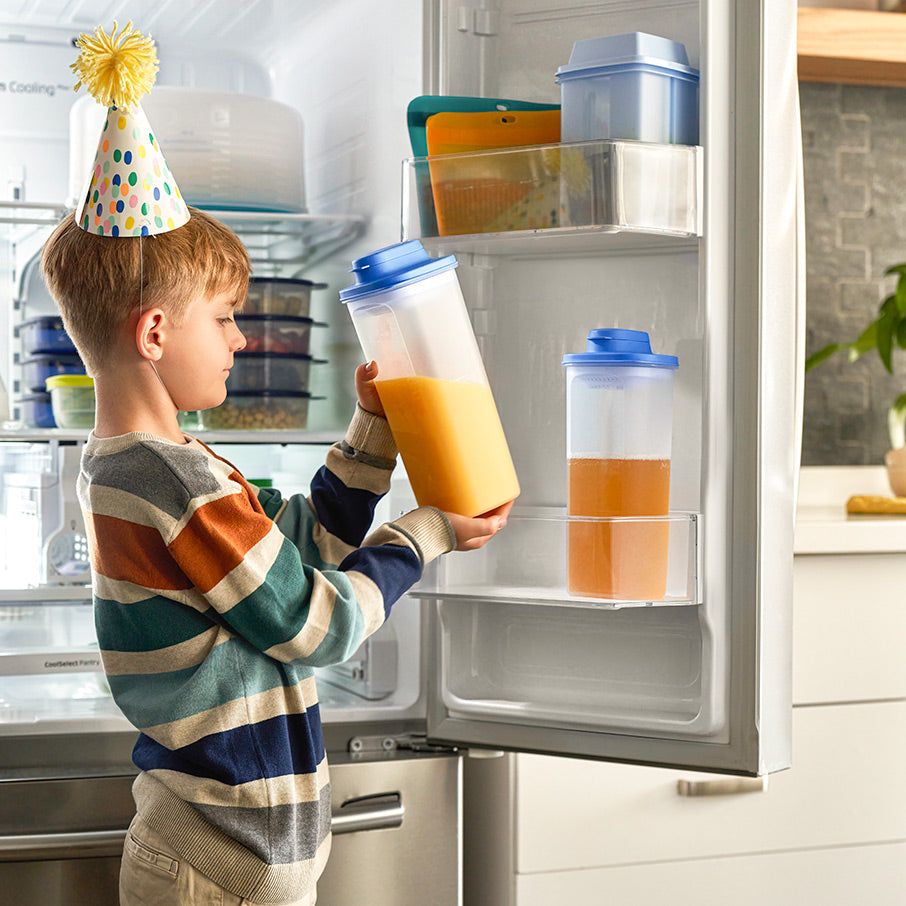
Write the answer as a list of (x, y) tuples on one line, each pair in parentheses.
[(855, 197)]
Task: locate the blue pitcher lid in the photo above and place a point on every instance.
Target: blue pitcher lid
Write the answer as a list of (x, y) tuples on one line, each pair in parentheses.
[(395, 265), (593, 55), (613, 346)]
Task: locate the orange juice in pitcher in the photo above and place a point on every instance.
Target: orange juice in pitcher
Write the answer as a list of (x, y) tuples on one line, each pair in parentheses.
[(410, 317)]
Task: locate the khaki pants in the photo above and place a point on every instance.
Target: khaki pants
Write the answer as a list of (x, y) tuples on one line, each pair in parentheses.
[(152, 874)]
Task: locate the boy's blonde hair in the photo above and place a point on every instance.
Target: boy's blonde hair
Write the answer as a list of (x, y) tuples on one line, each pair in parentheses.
[(95, 279)]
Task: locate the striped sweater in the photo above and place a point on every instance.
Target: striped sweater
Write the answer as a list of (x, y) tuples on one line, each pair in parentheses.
[(214, 602)]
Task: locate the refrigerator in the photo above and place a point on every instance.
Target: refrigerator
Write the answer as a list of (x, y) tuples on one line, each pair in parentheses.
[(488, 653)]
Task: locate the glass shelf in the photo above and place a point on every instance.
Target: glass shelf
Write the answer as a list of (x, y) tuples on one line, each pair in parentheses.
[(550, 558), (320, 438), (44, 594), (281, 244), (278, 244), (545, 199)]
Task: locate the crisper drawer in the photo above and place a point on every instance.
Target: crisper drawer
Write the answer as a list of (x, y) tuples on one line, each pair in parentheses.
[(849, 627), (843, 876), (847, 786)]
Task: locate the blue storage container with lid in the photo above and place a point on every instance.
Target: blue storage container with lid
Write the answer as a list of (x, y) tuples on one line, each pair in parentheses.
[(37, 411), (45, 335), (633, 86), (37, 369)]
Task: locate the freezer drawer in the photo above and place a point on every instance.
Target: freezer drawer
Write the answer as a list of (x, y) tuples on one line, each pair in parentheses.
[(412, 864), (396, 825), (61, 840)]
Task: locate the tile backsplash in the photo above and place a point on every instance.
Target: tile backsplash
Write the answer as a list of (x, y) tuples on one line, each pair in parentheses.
[(854, 141)]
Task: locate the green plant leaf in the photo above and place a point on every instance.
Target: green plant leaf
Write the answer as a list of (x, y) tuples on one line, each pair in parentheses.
[(900, 296), (901, 334), (896, 269), (822, 355), (867, 340), (887, 324), (888, 306)]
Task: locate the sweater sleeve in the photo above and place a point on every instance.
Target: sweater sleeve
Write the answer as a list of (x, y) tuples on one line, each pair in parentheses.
[(334, 519), (256, 579)]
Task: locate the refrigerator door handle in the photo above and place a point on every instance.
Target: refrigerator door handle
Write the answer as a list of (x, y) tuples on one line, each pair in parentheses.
[(381, 810), (726, 786), (75, 845)]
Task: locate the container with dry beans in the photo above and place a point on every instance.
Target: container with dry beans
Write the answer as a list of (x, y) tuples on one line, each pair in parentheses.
[(260, 410)]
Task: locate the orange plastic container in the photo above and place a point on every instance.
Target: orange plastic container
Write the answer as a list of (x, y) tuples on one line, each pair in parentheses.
[(492, 193)]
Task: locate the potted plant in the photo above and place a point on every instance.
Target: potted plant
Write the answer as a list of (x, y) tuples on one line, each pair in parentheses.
[(886, 332)]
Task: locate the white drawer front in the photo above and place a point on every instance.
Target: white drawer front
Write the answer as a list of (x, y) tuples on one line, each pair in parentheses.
[(849, 628), (847, 786), (874, 875)]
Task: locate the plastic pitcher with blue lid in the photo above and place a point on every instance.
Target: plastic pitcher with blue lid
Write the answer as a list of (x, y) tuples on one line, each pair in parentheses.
[(410, 317), (619, 414)]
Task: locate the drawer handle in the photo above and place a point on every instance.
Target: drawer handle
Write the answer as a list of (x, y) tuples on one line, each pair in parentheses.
[(729, 786), (76, 845), (383, 810)]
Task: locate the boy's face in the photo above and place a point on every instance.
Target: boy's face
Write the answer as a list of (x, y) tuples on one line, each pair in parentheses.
[(199, 352)]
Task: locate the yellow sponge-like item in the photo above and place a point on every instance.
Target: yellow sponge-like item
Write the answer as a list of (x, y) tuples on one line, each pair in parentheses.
[(117, 69), (867, 504)]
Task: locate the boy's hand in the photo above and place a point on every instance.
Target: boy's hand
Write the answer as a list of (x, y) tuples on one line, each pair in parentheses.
[(472, 534), (365, 389)]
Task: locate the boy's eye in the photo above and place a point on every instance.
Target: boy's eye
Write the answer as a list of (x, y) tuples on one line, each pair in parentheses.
[(225, 320)]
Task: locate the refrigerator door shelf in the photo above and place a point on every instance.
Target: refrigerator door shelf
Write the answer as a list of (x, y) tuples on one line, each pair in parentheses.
[(647, 561), (546, 192)]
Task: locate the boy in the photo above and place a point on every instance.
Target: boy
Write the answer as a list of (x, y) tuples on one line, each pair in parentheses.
[(215, 600)]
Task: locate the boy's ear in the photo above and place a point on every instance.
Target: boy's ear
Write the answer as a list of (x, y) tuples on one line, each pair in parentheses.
[(150, 333)]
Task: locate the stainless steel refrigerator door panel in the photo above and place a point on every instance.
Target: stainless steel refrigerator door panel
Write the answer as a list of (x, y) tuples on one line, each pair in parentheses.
[(61, 840), (731, 713), (416, 862), (67, 882)]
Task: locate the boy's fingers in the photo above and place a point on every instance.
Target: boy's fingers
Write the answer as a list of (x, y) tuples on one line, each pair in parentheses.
[(481, 527), (473, 544)]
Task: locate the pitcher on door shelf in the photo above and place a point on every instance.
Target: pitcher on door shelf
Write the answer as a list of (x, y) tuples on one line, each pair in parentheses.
[(619, 402), (411, 320)]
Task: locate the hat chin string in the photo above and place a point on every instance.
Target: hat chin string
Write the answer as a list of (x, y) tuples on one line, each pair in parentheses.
[(141, 286)]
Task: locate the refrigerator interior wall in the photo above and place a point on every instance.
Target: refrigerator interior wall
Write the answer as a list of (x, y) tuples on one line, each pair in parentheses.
[(649, 671), (351, 68), (353, 103)]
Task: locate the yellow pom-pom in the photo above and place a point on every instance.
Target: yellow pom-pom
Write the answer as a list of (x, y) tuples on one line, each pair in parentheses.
[(117, 69)]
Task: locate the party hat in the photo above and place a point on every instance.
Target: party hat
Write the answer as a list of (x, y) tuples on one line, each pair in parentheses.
[(130, 190)]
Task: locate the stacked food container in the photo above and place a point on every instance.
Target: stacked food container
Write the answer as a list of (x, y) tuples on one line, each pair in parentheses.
[(47, 353), (268, 387)]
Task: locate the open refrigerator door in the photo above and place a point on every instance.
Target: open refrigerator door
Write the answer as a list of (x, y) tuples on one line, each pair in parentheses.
[(698, 677)]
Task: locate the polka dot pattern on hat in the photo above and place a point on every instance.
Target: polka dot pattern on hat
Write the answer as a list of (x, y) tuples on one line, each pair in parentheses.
[(132, 191)]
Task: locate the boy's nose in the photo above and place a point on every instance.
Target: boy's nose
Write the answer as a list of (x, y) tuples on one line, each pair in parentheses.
[(239, 341)]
